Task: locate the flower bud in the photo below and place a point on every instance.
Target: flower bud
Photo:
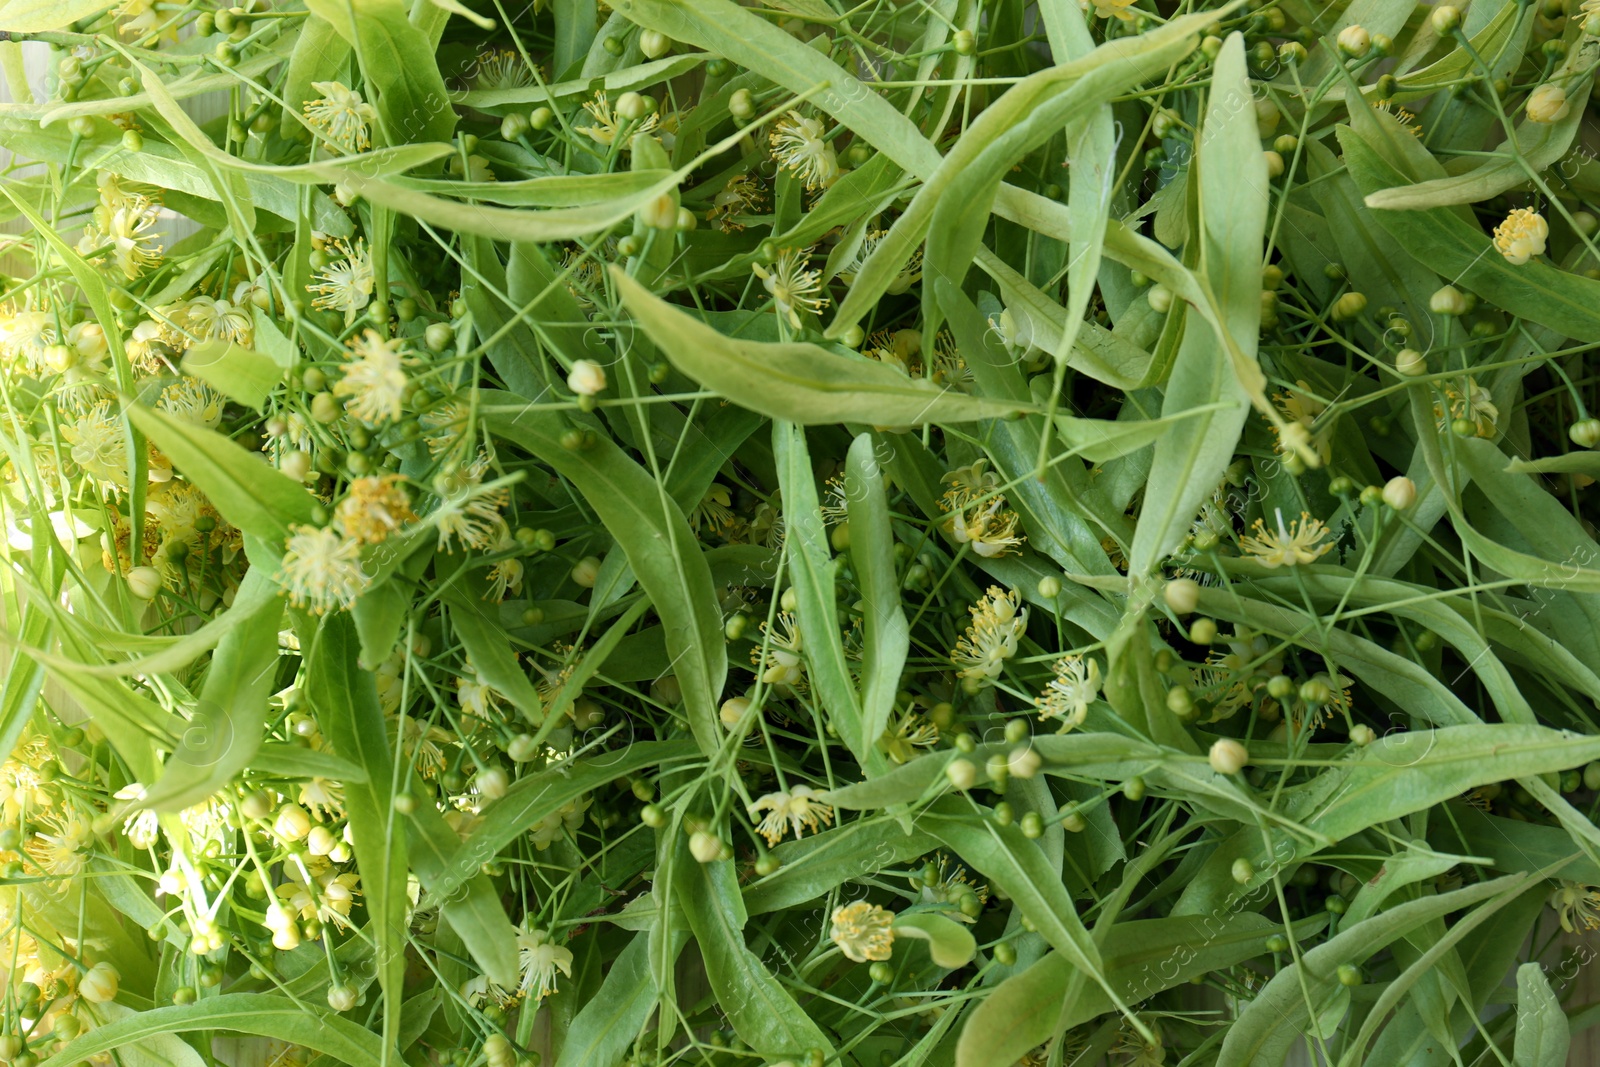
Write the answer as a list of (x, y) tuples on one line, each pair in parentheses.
[(963, 773), (492, 783), (1160, 298), (631, 107), (342, 997), (741, 105), (144, 582), (1354, 41), (1243, 871), (522, 748), (320, 841), (654, 44), (587, 378), (1362, 734), (1228, 756), (1349, 306), (1548, 103), (1448, 301), (1446, 19), (660, 213), (99, 984), (1400, 492), (1203, 632), (706, 847), (587, 571), (1585, 433), (1410, 362), (1023, 763), (1182, 595), (292, 822), (296, 464), (1274, 163), (964, 42)]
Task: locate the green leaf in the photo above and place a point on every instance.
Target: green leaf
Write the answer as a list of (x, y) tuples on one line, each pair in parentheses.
[(813, 866), (1189, 461), (35, 16), (241, 485), (473, 910), (886, 636), (796, 381), (661, 548), (477, 624), (279, 1018), (1271, 1022), (1456, 249), (1142, 958), (225, 729), (761, 1010), (1542, 1034), (238, 373), (532, 799), (398, 59), (608, 1023), (811, 574), (345, 702)]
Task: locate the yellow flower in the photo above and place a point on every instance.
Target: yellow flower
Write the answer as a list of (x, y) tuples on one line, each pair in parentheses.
[(1068, 695), (501, 68), (863, 931), (1109, 8), (793, 288), (373, 508), (738, 197), (207, 319), (1471, 402), (194, 401), (797, 809), (345, 283), (998, 623), (1576, 905), (540, 958), (799, 146), (99, 445), (127, 231), (469, 512), (342, 116), (607, 124), (781, 663), (1521, 236), (321, 569), (1300, 543), (991, 529), (1301, 410), (375, 380)]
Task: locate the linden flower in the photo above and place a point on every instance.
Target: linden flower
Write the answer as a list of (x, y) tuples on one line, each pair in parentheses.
[(99, 445), (1300, 543), (501, 68), (469, 512), (608, 126), (222, 320), (194, 401), (1068, 695), (62, 847), (863, 931), (506, 575), (793, 288), (1106, 9), (798, 145), (540, 958), (782, 659), (321, 569), (1301, 410), (1576, 905), (1548, 103), (345, 284), (714, 509), (738, 197), (375, 379), (1521, 236), (998, 623), (991, 529), (373, 509), (1470, 401), (969, 483), (342, 116), (797, 809), (129, 231)]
